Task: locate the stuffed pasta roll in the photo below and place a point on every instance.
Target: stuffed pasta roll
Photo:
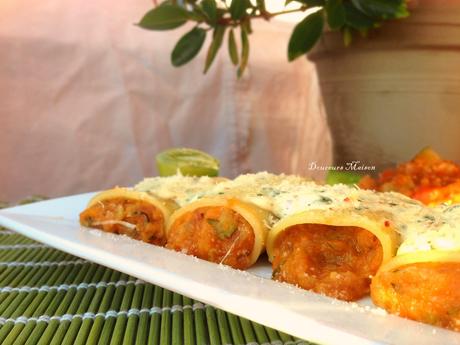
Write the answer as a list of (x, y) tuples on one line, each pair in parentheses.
[(143, 211), (332, 240), (123, 211), (221, 230), (422, 282), (230, 224)]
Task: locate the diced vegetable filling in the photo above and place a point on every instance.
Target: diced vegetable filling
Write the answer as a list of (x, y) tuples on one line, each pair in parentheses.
[(427, 292), (217, 234), (134, 218), (338, 261)]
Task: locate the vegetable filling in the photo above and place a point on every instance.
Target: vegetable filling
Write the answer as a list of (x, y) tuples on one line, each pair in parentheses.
[(134, 218), (426, 292), (217, 234), (338, 261)]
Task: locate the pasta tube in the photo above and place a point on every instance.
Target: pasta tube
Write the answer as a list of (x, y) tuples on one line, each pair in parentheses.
[(142, 212), (219, 229), (333, 239), (229, 224), (129, 212), (421, 282), (331, 252)]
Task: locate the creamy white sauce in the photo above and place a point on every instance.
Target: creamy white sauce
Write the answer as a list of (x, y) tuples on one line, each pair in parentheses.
[(421, 228), (177, 188), (442, 232)]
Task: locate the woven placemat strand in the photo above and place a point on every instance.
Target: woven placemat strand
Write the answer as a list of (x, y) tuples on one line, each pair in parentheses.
[(51, 297)]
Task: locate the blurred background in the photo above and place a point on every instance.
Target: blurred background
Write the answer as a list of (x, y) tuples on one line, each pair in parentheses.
[(88, 99)]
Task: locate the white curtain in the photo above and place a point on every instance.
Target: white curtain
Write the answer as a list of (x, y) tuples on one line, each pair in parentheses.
[(87, 99)]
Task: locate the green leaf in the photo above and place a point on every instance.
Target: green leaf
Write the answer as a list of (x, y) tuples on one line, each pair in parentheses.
[(358, 20), (210, 8), (247, 26), (347, 37), (232, 48), (335, 14), (309, 3), (216, 43), (197, 15), (244, 52), (165, 17), (238, 8), (188, 46), (261, 6), (305, 35), (384, 9)]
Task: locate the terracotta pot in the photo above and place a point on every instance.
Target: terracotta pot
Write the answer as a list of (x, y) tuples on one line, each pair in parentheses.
[(396, 92)]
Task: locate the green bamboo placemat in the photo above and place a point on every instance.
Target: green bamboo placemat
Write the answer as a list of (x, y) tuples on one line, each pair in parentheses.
[(51, 297)]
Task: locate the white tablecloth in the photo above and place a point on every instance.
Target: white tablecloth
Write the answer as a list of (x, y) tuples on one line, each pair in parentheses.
[(88, 99)]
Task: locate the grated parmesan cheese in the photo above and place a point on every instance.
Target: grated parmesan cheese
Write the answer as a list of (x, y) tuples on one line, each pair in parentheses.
[(421, 228)]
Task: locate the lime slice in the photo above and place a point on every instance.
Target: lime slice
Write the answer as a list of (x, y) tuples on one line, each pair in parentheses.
[(345, 177), (189, 162)]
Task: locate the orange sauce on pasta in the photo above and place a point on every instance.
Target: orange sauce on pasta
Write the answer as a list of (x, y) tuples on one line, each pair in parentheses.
[(197, 233), (332, 260), (426, 292), (110, 215)]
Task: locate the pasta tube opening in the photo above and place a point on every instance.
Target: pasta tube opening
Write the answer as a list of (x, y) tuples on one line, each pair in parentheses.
[(421, 287), (335, 253), (222, 231), (337, 261), (122, 211)]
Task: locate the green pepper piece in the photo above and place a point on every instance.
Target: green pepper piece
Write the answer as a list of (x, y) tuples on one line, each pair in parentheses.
[(345, 177), (225, 226)]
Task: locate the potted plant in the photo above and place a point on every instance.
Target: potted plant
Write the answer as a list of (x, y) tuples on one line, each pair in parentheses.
[(388, 89)]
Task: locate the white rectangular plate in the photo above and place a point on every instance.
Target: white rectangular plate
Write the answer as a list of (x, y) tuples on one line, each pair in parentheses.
[(250, 294)]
